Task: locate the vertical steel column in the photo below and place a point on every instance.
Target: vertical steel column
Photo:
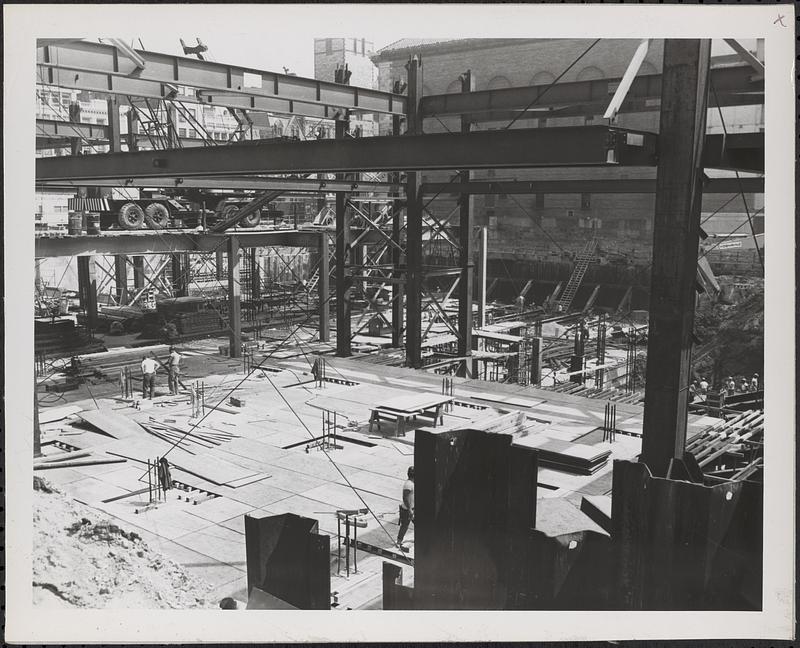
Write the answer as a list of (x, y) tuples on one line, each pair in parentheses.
[(414, 225), (133, 127), (255, 275), (484, 250), (684, 101), (344, 280), (138, 272), (234, 297), (465, 286), (87, 288), (37, 430), (398, 288), (179, 279), (114, 136), (121, 278), (324, 289), (219, 264)]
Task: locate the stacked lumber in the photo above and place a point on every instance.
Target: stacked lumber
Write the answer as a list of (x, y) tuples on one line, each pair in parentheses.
[(576, 458), (200, 322), (188, 437), (63, 338), (110, 363), (609, 393)]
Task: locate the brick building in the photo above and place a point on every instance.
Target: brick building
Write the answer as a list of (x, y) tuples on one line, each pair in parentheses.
[(555, 226)]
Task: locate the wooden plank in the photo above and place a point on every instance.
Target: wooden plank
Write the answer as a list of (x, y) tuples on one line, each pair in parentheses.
[(113, 424)]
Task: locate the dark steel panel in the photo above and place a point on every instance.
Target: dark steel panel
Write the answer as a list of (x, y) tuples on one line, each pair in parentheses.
[(91, 66), (733, 84), (534, 147)]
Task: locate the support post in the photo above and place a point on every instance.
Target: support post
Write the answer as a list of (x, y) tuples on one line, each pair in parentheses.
[(484, 249), (114, 135), (414, 225), (675, 243), (324, 289), (219, 264), (138, 273), (398, 288), (179, 278), (465, 287), (234, 298), (121, 278), (87, 289), (37, 431), (344, 280), (133, 127), (255, 275)]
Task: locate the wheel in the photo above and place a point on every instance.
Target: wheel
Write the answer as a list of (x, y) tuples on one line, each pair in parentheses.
[(252, 220), (157, 216), (131, 216)]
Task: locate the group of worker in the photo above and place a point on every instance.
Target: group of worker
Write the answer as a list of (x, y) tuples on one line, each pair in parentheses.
[(699, 389), (150, 367)]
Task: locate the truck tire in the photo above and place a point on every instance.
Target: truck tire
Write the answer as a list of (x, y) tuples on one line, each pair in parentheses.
[(252, 220), (156, 216), (131, 216)]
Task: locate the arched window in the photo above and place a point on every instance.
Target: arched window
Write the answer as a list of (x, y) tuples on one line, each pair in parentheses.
[(542, 78), (455, 86), (497, 82), (590, 74)]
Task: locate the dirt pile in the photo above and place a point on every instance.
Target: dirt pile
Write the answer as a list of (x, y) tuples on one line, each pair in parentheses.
[(82, 559)]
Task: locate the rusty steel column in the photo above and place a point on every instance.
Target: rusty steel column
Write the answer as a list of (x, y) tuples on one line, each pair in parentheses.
[(414, 225), (675, 245), (465, 287), (344, 280), (114, 135), (87, 289), (324, 289), (234, 298), (121, 278)]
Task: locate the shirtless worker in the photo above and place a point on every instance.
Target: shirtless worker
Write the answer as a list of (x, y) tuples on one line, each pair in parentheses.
[(174, 366), (406, 508)]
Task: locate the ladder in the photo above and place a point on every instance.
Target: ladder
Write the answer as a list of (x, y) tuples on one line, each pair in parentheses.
[(582, 261)]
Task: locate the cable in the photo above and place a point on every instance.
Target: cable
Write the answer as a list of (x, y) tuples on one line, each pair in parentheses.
[(552, 83)]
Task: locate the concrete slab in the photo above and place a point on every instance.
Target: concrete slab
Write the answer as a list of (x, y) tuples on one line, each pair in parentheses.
[(62, 476), (220, 509), (220, 543), (91, 491), (260, 494)]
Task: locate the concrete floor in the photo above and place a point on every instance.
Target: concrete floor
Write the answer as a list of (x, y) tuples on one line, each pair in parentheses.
[(282, 412)]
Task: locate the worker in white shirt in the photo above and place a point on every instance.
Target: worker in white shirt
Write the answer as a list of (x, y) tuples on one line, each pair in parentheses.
[(149, 367), (173, 365), (754, 383), (406, 508)]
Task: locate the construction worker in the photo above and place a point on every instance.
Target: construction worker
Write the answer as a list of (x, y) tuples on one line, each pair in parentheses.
[(406, 508), (694, 388), (149, 367), (743, 385), (173, 365), (731, 385), (703, 386), (754, 383)]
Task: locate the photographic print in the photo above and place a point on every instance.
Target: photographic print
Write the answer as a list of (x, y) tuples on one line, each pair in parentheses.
[(365, 321)]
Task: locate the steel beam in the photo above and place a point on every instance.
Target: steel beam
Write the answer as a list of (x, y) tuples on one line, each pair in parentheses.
[(114, 133), (567, 146), (465, 287), (344, 282), (234, 298), (97, 67), (138, 272), (152, 242), (253, 183), (324, 289), (87, 289), (735, 86), (609, 186), (121, 279), (676, 231), (414, 212)]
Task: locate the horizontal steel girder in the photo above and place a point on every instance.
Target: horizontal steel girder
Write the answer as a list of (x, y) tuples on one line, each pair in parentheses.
[(240, 182), (519, 148), (734, 86), (610, 186), (151, 242), (52, 133), (96, 67)]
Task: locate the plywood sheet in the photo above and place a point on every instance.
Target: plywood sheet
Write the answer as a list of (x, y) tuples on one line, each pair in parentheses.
[(112, 423), (51, 414)]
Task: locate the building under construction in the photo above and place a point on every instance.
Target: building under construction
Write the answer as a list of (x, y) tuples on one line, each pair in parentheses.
[(480, 258)]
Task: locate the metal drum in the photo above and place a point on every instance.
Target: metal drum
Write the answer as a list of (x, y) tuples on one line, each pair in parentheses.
[(93, 223), (75, 223)]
